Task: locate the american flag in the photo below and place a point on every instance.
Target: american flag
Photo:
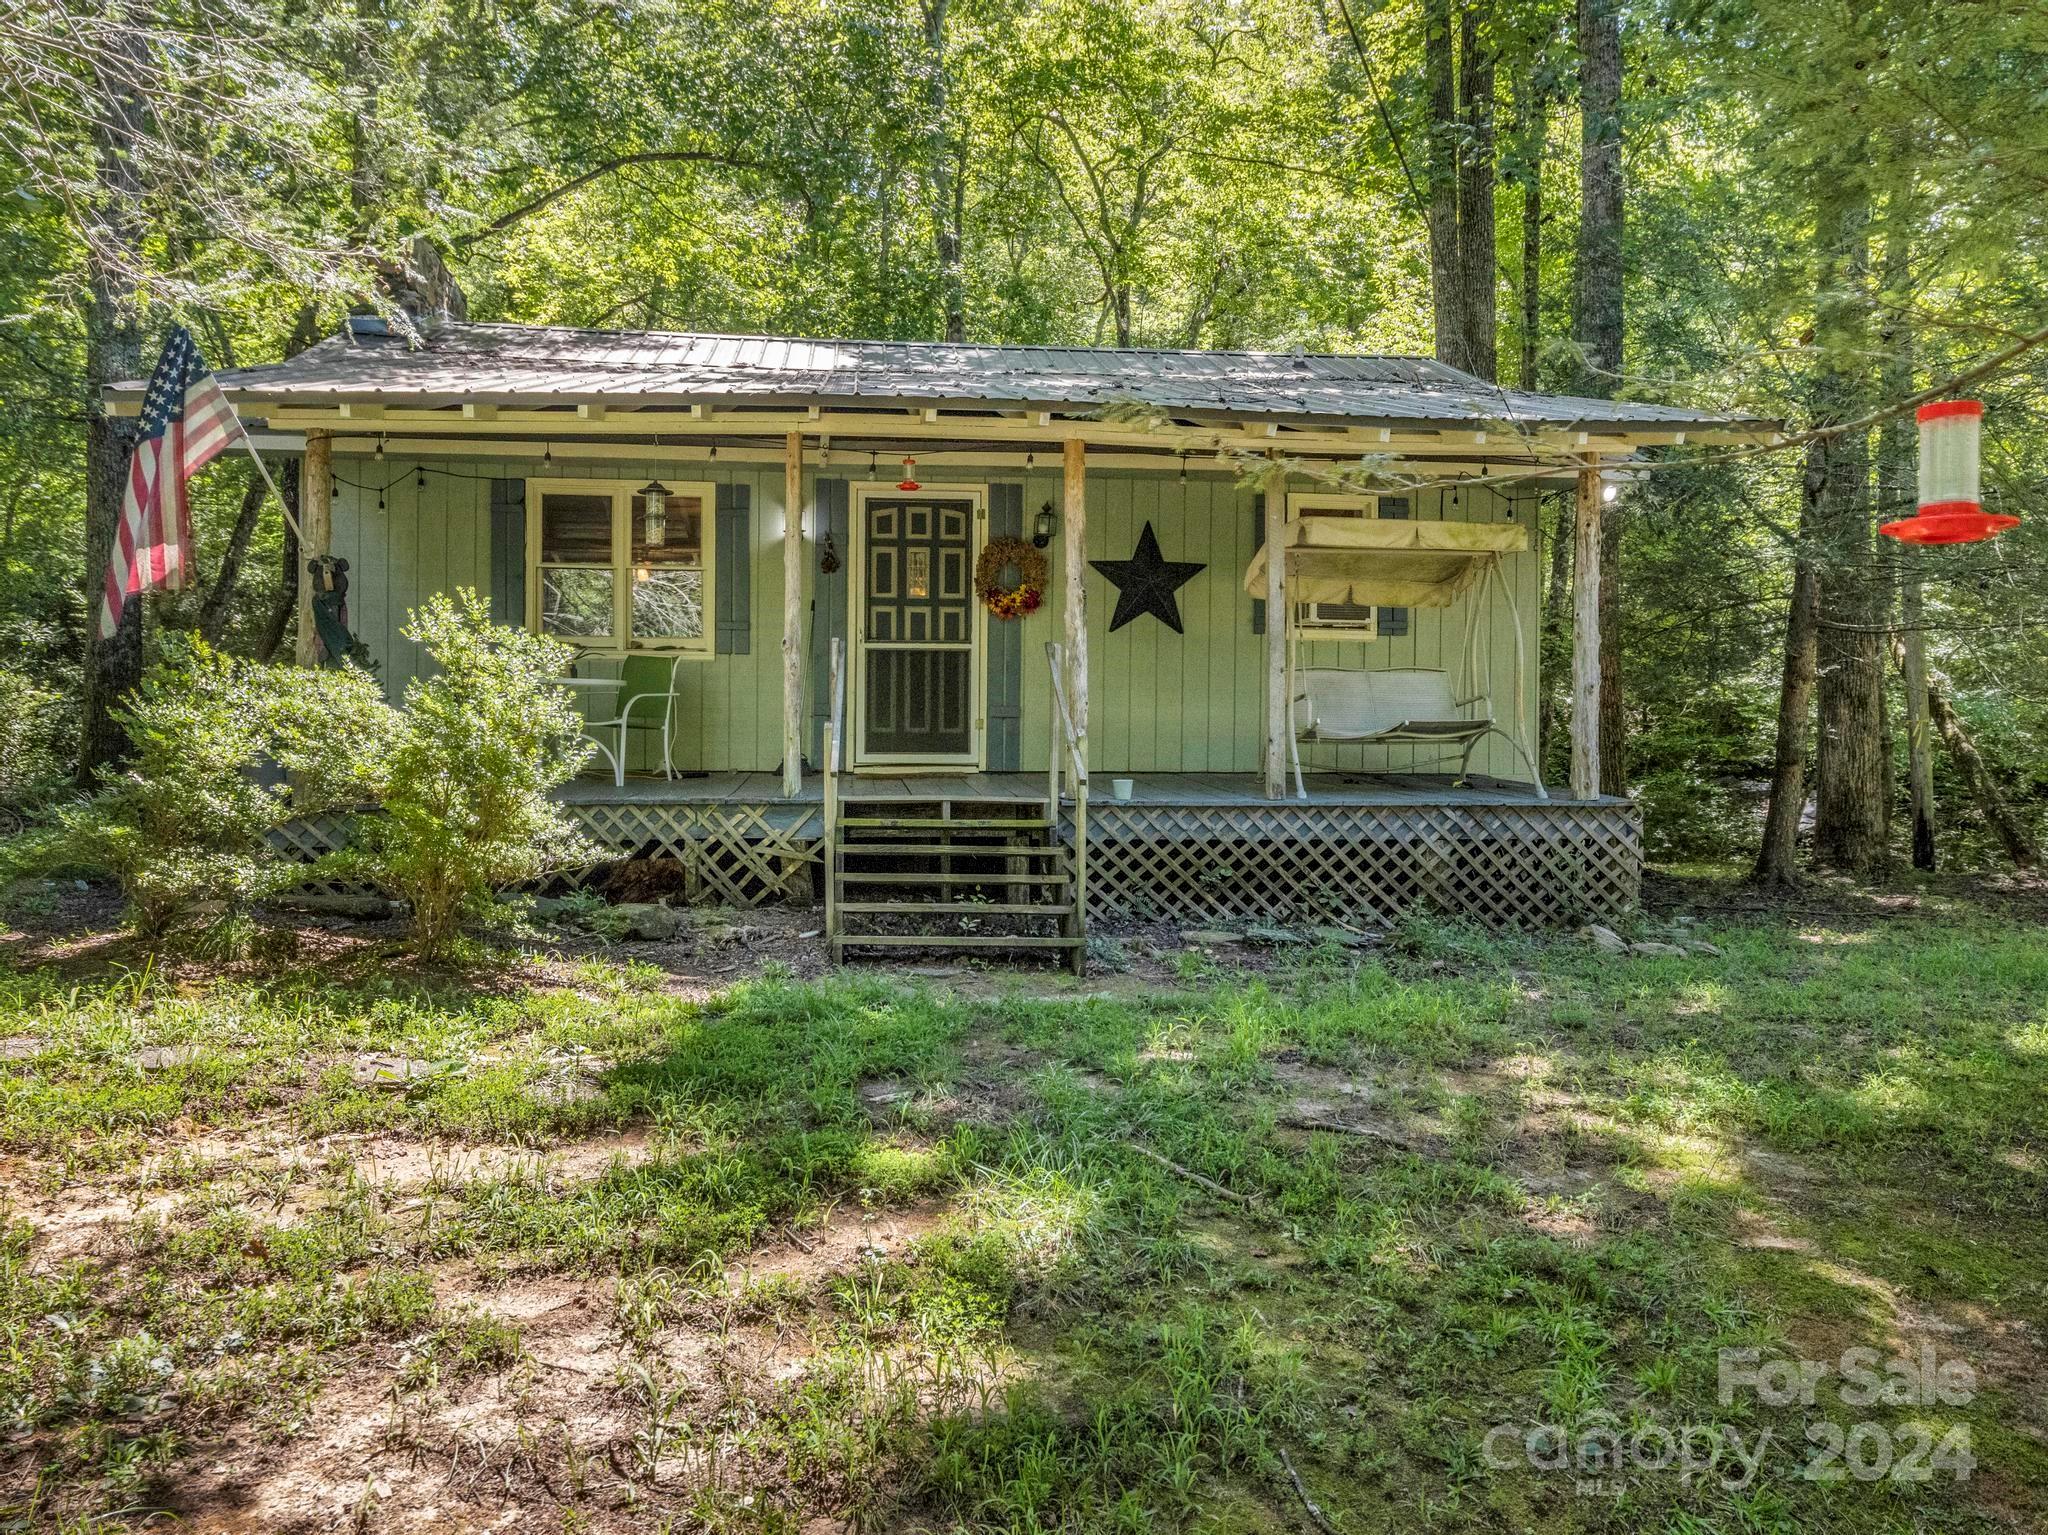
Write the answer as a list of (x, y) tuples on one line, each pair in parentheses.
[(186, 424)]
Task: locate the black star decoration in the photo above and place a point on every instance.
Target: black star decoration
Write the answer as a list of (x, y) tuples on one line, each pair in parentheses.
[(1145, 583)]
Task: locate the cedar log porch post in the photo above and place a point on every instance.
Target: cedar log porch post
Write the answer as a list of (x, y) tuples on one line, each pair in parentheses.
[(316, 525), (1277, 617), (1586, 634), (1074, 564), (792, 615)]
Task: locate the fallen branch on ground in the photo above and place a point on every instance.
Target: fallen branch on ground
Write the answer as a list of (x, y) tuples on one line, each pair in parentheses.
[(1315, 1512), (1193, 1177), (1339, 1127)]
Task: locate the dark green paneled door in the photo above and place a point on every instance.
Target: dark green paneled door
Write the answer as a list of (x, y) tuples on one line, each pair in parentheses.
[(917, 631)]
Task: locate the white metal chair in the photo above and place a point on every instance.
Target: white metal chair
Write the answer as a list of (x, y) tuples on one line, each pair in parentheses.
[(1412, 706), (645, 681)]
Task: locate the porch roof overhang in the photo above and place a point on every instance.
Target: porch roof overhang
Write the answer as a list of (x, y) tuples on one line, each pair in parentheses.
[(1399, 564), (517, 383)]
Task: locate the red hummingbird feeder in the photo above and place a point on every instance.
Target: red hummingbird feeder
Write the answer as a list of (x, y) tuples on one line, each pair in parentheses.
[(909, 480), (1951, 510)]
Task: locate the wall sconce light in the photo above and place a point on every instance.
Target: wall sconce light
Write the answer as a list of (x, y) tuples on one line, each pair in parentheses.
[(1043, 526), (656, 496)]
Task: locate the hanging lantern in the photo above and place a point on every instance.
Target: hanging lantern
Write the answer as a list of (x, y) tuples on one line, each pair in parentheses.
[(1951, 511), (909, 480), (655, 494)]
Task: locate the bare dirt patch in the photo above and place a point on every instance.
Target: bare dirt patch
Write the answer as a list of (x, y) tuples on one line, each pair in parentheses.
[(845, 1238), (572, 1424)]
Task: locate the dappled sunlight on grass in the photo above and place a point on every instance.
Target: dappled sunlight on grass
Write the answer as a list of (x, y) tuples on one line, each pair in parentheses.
[(886, 1254)]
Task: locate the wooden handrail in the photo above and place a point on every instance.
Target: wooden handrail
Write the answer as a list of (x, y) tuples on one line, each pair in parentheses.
[(835, 727), (1056, 659), (1077, 762), (837, 721)]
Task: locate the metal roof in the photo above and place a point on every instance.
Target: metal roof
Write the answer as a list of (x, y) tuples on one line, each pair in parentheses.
[(543, 365)]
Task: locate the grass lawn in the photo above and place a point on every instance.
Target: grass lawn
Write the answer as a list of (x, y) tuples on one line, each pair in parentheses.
[(1464, 1233)]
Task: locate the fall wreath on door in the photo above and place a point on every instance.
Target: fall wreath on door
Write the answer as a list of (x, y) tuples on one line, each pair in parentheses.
[(1010, 578)]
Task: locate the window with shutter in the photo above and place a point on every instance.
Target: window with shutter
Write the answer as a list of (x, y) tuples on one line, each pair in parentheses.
[(1393, 622), (613, 569), (1334, 620)]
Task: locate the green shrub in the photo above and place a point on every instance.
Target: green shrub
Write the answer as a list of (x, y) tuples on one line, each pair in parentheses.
[(185, 828), (29, 717), (465, 775)]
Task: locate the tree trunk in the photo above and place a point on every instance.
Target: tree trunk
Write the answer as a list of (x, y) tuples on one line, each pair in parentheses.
[(1440, 175), (1596, 327), (1533, 133), (1555, 649), (1919, 734), (1478, 260), (113, 351), (1596, 278), (1852, 772), (1962, 751), (948, 176), (220, 597), (279, 623), (1897, 489), (1613, 715), (1777, 859)]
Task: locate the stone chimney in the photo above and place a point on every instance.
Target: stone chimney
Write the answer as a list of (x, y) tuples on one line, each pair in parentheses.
[(422, 286)]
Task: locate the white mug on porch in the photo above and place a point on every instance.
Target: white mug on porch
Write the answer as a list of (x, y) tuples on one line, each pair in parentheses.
[(1120, 789)]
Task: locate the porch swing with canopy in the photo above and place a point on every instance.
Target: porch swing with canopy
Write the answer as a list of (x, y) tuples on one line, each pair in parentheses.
[(1370, 562)]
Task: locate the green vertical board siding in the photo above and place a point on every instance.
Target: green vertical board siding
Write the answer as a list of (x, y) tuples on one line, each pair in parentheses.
[(1005, 647), (1159, 702), (828, 600)]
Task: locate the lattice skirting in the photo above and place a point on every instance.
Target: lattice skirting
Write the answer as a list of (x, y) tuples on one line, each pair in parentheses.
[(732, 854), (1506, 866)]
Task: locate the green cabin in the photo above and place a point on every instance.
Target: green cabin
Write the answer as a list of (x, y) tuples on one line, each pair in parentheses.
[(908, 624)]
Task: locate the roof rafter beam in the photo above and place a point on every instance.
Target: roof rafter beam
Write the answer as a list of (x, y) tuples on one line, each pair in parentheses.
[(853, 456), (906, 426)]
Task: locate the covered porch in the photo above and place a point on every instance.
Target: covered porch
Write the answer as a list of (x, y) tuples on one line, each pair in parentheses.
[(1191, 846)]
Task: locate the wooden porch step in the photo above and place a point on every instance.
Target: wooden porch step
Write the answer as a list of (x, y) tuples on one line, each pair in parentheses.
[(996, 803), (892, 877), (938, 823), (960, 908), (957, 941), (956, 849)]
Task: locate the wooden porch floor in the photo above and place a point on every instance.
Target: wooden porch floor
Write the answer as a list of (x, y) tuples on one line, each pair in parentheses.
[(1187, 789)]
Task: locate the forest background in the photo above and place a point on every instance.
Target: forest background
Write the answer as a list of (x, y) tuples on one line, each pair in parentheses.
[(1817, 212)]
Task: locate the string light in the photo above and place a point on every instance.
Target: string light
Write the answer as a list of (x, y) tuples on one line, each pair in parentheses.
[(1183, 466), (379, 454), (547, 455), (422, 482)]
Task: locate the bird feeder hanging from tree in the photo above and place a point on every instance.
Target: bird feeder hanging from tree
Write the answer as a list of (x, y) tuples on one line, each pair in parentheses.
[(1951, 511)]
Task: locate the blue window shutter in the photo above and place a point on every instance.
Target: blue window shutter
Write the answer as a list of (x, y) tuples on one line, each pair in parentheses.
[(735, 556), (1258, 543), (1393, 622), (508, 552), (828, 604), (1005, 648)]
